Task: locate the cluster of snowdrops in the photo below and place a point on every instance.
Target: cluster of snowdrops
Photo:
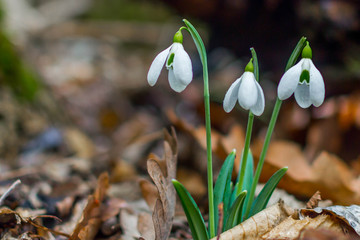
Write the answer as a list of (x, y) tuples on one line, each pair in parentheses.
[(237, 198)]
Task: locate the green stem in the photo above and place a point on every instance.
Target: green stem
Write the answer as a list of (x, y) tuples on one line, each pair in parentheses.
[(263, 154), (245, 153), (202, 52), (291, 62), (209, 153)]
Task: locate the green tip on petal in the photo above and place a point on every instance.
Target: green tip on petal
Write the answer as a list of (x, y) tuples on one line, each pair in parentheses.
[(178, 37), (307, 52), (305, 76), (250, 66)]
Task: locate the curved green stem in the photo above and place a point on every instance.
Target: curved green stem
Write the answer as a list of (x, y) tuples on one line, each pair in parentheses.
[(202, 52)]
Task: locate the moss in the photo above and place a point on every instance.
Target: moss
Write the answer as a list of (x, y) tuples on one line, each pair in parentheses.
[(13, 71)]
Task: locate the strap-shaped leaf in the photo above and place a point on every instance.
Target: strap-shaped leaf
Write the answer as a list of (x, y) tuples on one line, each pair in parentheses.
[(248, 179), (263, 198), (223, 184), (235, 212), (193, 215), (296, 53), (248, 176), (256, 64), (227, 198)]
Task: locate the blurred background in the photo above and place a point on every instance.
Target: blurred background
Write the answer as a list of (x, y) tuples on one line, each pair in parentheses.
[(73, 78)]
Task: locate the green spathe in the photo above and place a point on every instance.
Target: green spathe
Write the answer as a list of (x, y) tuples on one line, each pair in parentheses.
[(178, 37), (307, 52), (250, 66)]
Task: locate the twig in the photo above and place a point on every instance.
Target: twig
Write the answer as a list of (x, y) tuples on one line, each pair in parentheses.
[(12, 187)]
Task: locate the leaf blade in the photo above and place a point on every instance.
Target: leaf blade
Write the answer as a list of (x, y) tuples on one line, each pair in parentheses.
[(223, 184), (296, 53), (265, 194), (235, 211), (195, 220)]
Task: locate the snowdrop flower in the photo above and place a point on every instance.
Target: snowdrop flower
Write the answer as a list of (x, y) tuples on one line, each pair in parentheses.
[(247, 91), (305, 80), (178, 64)]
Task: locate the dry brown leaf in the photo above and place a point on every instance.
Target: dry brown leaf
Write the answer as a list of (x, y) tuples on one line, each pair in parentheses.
[(259, 224), (128, 222), (123, 171), (327, 174), (10, 218), (162, 171), (64, 206), (347, 217), (193, 182), (149, 193), (79, 143), (323, 234), (145, 226), (349, 111), (89, 223), (314, 200), (291, 228)]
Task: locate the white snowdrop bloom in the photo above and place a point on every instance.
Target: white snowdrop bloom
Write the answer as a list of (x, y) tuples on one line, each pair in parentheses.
[(177, 62), (305, 80), (247, 91)]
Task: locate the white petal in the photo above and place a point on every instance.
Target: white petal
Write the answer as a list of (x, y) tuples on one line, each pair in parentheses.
[(289, 81), (182, 65), (231, 96), (247, 91), (302, 95), (175, 84), (317, 87), (258, 108), (173, 49), (156, 66)]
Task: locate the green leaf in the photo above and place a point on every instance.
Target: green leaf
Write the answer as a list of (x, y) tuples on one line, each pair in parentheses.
[(249, 172), (222, 185), (265, 194), (296, 53), (248, 177), (227, 198), (235, 211), (255, 63), (198, 41), (193, 215)]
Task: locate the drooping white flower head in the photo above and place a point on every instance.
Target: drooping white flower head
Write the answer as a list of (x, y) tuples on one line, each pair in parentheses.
[(305, 80), (247, 91), (178, 63)]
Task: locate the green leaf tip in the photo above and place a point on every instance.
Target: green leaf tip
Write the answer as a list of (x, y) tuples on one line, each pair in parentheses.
[(265, 194), (256, 63), (296, 53), (235, 212)]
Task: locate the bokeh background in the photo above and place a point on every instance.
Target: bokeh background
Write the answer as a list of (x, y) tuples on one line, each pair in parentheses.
[(73, 81)]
